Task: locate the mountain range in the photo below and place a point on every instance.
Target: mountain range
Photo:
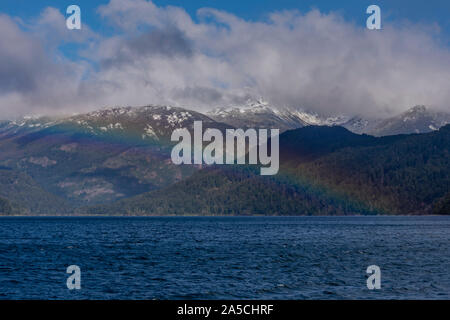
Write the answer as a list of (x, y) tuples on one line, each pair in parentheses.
[(117, 161), (260, 114)]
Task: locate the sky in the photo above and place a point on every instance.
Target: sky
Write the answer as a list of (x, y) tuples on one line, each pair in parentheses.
[(314, 55)]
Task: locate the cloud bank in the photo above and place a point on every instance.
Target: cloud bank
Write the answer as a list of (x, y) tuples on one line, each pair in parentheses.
[(162, 55)]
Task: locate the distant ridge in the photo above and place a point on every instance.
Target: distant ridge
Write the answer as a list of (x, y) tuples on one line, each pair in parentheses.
[(119, 159), (260, 114)]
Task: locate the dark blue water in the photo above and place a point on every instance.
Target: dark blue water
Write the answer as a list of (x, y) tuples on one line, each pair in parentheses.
[(225, 258)]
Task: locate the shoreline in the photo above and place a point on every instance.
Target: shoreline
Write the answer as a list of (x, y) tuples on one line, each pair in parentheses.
[(212, 216)]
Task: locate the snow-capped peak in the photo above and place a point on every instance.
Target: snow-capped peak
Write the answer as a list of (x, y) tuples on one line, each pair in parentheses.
[(250, 106), (260, 113)]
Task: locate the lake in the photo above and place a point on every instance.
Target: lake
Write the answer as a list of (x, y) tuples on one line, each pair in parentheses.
[(225, 257)]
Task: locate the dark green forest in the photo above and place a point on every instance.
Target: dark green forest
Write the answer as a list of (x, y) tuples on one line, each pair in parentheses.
[(324, 171), (5, 207)]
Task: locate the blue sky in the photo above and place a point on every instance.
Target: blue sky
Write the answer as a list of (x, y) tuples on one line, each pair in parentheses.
[(313, 55)]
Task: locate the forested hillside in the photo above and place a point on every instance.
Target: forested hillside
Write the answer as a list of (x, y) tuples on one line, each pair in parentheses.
[(324, 171)]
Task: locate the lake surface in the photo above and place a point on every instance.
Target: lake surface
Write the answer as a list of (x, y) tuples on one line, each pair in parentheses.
[(225, 257)]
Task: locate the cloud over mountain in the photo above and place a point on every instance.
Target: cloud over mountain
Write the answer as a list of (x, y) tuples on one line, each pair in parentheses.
[(312, 60)]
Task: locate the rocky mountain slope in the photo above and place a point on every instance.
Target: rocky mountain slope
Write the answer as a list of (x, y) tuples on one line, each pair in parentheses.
[(415, 120), (97, 157), (260, 114)]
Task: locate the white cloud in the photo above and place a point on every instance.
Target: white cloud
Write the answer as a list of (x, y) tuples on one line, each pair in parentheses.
[(160, 55)]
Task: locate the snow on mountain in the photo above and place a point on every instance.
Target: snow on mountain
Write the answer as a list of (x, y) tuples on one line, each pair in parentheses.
[(360, 125), (148, 122), (99, 156), (260, 114), (26, 125), (158, 122), (417, 119)]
